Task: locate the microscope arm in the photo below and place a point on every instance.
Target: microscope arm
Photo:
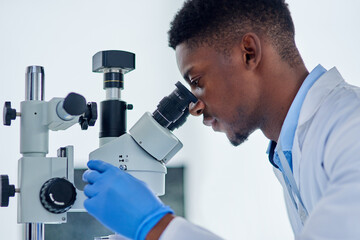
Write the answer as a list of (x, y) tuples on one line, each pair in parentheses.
[(142, 153), (156, 140)]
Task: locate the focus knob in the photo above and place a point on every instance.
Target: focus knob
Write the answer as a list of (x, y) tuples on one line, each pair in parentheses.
[(8, 114), (89, 117), (6, 191), (57, 195)]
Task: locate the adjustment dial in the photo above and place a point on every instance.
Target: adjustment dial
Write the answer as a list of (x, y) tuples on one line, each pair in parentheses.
[(6, 190), (57, 195), (9, 114)]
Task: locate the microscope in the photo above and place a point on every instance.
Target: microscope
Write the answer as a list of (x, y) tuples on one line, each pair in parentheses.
[(150, 143), (46, 184)]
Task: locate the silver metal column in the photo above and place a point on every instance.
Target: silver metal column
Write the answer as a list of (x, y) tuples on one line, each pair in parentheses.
[(113, 93), (34, 91), (34, 134), (34, 231), (34, 83)]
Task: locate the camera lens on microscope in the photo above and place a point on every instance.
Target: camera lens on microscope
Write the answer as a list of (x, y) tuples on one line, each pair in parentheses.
[(173, 109)]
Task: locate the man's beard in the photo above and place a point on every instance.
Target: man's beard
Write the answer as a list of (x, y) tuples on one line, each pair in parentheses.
[(239, 139), (241, 130)]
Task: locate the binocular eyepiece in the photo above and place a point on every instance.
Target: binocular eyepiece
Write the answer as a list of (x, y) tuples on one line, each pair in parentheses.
[(173, 110)]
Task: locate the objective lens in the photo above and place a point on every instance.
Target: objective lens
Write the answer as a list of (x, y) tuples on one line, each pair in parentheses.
[(173, 110)]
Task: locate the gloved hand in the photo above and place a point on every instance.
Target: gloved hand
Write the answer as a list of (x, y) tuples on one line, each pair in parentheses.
[(121, 202)]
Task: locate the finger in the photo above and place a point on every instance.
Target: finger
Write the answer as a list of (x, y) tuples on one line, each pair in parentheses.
[(91, 176), (90, 190), (90, 205), (98, 165)]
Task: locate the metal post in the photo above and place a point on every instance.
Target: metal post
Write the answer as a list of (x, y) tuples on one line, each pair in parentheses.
[(113, 94), (34, 231), (34, 90), (34, 83)]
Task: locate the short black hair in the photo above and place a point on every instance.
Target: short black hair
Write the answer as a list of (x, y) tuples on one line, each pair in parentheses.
[(222, 23)]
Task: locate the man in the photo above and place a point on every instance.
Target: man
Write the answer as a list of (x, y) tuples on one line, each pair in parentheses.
[(241, 61)]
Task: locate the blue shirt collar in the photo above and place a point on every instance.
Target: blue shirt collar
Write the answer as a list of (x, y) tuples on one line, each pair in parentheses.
[(290, 123), (288, 129)]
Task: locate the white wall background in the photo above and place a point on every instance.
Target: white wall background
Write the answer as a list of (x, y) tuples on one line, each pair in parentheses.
[(231, 191)]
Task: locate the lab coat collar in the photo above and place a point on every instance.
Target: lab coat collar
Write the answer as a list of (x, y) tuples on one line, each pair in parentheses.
[(313, 100), (314, 97), (317, 93)]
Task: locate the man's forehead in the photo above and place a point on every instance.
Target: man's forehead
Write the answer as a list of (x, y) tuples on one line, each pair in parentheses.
[(182, 50), (184, 57), (189, 57)]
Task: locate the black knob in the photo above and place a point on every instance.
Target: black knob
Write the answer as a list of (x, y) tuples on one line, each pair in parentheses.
[(74, 104), (129, 107), (6, 190), (89, 117), (8, 114), (57, 195)]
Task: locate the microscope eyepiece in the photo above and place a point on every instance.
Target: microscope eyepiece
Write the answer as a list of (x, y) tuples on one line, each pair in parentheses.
[(172, 110)]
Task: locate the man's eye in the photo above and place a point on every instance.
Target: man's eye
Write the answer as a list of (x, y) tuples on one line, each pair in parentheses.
[(194, 82)]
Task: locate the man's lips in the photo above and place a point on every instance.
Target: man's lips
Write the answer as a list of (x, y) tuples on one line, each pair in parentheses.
[(208, 121)]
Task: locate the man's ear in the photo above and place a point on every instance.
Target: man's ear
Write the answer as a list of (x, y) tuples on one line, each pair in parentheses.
[(251, 50)]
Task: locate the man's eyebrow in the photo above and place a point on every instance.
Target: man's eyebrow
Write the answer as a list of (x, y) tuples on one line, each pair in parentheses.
[(186, 74)]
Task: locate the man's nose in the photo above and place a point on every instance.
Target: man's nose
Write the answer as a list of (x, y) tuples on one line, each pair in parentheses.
[(196, 109)]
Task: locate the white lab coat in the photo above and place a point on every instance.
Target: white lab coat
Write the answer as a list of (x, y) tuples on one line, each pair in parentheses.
[(326, 166)]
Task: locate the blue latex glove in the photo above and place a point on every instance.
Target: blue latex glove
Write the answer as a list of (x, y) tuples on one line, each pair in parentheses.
[(121, 202)]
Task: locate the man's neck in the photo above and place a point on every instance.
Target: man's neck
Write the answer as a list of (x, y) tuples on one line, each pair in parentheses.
[(284, 86)]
